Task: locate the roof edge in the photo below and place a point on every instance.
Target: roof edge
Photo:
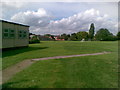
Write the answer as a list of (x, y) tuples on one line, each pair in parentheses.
[(14, 23)]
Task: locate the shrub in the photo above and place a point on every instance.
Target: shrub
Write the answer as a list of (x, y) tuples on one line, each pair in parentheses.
[(34, 39)]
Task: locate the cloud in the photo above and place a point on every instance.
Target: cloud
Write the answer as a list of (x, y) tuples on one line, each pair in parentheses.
[(8, 8), (39, 18), (82, 21), (13, 4), (62, 0), (41, 22)]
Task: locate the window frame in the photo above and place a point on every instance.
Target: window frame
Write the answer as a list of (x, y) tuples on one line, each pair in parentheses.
[(23, 34), (11, 33), (4, 32)]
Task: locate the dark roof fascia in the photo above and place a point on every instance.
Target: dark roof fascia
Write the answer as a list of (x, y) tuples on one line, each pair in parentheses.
[(14, 23)]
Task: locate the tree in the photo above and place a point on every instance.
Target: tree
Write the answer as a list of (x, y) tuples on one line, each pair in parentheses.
[(104, 35), (73, 37), (82, 35), (118, 35), (64, 36), (68, 37), (30, 34), (48, 35), (91, 31)]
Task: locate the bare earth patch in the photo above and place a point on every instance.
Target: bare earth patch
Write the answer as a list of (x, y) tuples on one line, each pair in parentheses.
[(11, 71)]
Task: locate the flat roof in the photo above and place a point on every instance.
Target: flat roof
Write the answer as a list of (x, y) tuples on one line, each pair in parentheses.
[(14, 23)]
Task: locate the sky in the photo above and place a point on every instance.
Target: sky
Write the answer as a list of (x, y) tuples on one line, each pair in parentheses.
[(62, 17)]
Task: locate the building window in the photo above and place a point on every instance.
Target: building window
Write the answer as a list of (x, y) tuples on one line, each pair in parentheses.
[(11, 33), (6, 30), (22, 34), (6, 33)]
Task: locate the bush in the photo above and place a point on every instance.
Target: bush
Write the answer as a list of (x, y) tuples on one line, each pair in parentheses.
[(34, 39), (118, 35)]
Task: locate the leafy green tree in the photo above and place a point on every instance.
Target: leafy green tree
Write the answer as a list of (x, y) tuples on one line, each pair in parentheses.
[(48, 35), (73, 37), (104, 35), (118, 35), (68, 37), (82, 35), (91, 31), (64, 36)]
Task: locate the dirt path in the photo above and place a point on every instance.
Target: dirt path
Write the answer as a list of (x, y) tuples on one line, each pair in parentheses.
[(11, 71), (57, 57)]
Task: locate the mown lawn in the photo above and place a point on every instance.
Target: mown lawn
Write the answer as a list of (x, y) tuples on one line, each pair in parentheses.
[(99, 71), (54, 48), (78, 72)]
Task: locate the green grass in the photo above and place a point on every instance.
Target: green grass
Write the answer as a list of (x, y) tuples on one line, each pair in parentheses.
[(55, 48), (79, 72)]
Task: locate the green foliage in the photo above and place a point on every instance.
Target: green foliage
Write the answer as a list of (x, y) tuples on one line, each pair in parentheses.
[(104, 35), (68, 37), (73, 37), (118, 35), (47, 35), (34, 39), (91, 31), (65, 36), (82, 35)]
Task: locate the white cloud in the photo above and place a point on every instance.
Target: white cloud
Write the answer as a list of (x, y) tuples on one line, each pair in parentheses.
[(61, 0), (8, 8), (82, 21), (39, 18), (13, 4), (42, 23)]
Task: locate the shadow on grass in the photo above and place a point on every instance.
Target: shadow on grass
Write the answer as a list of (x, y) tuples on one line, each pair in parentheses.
[(15, 51), (10, 84)]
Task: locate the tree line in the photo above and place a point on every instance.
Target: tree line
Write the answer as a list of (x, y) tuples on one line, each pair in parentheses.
[(102, 34)]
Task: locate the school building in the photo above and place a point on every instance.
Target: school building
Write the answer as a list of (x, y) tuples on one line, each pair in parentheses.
[(14, 34)]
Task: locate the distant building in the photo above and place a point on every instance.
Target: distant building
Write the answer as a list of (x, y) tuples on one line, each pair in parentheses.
[(14, 34), (45, 38)]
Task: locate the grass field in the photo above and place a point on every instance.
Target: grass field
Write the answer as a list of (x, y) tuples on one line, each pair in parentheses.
[(78, 72), (55, 48)]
